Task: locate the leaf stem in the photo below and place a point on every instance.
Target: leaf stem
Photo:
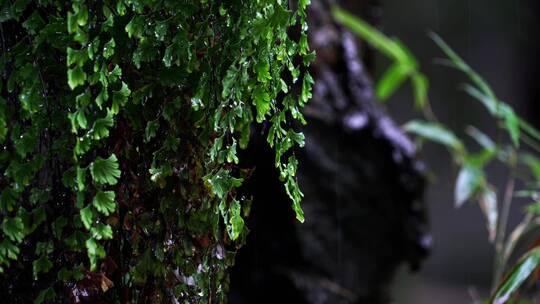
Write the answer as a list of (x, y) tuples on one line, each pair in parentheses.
[(501, 225), (520, 230)]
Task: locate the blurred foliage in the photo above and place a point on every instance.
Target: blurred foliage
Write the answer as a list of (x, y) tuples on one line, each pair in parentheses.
[(404, 64), (472, 182), (120, 123)]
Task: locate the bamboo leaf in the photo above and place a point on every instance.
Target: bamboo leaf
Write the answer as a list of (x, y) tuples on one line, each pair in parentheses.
[(468, 181), (391, 80), (434, 132), (461, 65), (499, 110), (378, 40), (511, 122), (481, 138), (488, 204), (420, 85), (517, 276), (533, 164)]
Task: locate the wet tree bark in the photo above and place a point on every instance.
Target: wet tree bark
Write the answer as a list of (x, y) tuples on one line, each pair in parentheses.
[(362, 183)]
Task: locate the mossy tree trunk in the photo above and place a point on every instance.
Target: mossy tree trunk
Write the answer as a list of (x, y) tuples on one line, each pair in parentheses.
[(120, 122)]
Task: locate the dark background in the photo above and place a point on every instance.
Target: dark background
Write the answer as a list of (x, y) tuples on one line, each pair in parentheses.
[(499, 39)]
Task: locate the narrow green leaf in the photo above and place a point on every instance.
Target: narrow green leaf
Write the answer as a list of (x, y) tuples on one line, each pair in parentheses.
[(420, 85), (530, 130), (391, 80), (480, 159), (462, 66), (450, 53), (379, 41), (533, 163), (436, 133), (499, 110), (467, 183), (511, 122), (489, 103), (481, 138), (517, 276), (488, 204)]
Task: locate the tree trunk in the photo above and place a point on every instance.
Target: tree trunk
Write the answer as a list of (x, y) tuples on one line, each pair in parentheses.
[(362, 184)]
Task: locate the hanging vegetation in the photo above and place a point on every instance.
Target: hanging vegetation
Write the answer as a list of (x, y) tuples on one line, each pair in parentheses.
[(120, 123)]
